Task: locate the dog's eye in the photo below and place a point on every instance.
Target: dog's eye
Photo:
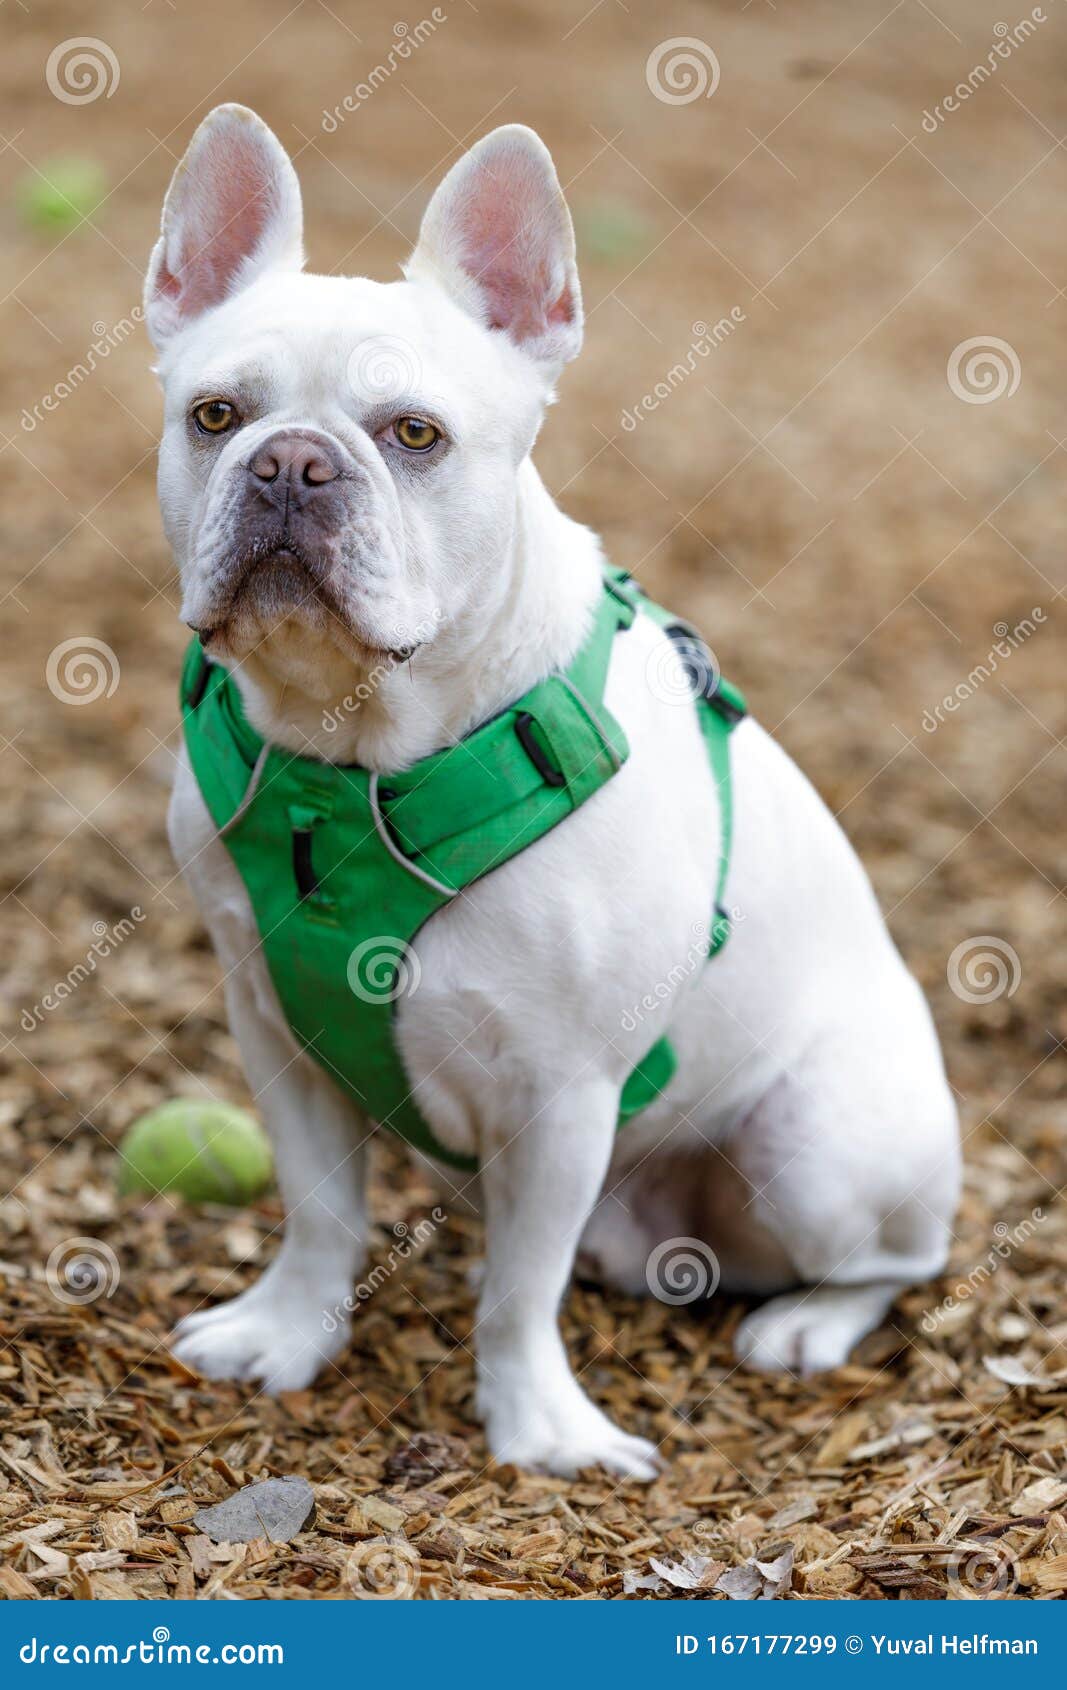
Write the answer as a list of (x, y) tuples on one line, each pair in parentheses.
[(416, 434), (214, 416)]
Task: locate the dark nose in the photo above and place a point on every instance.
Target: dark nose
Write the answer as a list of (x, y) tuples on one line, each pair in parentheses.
[(292, 466)]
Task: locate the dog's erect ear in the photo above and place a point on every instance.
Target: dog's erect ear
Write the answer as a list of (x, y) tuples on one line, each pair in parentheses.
[(497, 235), (232, 211)]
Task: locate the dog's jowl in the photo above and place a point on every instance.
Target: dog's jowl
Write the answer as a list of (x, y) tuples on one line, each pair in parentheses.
[(489, 852)]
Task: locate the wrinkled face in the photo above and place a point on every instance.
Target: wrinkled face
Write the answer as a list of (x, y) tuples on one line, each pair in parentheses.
[(342, 454), (339, 456)]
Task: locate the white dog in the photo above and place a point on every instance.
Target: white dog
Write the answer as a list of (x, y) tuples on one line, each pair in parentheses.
[(325, 528)]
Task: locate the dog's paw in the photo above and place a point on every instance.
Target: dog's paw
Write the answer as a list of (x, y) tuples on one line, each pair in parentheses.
[(564, 1435), (272, 1341), (810, 1331)]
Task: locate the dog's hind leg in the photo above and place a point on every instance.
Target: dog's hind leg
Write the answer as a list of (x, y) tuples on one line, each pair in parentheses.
[(853, 1162)]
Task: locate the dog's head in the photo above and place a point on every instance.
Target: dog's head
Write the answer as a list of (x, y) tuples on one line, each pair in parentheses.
[(339, 457)]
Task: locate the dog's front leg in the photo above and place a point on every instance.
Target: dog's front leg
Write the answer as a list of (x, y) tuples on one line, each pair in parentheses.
[(539, 1184), (296, 1318)]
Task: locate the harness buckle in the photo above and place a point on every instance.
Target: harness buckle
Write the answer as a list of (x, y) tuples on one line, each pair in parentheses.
[(536, 753)]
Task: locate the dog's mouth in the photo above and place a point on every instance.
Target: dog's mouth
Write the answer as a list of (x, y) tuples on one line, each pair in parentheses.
[(273, 582)]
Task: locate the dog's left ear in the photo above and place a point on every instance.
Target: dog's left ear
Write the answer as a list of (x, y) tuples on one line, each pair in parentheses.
[(498, 237)]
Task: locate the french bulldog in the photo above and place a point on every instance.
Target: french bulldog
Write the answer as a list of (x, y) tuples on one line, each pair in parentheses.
[(363, 540)]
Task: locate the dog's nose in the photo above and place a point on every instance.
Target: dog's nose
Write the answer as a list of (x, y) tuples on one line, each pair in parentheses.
[(286, 462)]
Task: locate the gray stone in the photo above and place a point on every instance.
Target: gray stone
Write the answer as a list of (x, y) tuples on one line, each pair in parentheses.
[(275, 1508)]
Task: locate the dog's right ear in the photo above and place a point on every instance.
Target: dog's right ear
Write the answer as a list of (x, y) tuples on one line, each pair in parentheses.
[(232, 211)]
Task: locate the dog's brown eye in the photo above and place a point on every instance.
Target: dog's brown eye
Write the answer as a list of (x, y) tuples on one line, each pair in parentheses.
[(214, 416), (416, 434)]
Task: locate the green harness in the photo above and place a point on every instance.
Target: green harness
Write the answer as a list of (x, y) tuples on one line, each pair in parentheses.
[(333, 857)]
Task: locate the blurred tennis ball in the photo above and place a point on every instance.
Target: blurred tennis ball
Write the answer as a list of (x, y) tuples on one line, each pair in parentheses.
[(208, 1152), (61, 193)]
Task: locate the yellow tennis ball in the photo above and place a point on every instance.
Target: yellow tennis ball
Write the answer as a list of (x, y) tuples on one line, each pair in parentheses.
[(209, 1152)]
